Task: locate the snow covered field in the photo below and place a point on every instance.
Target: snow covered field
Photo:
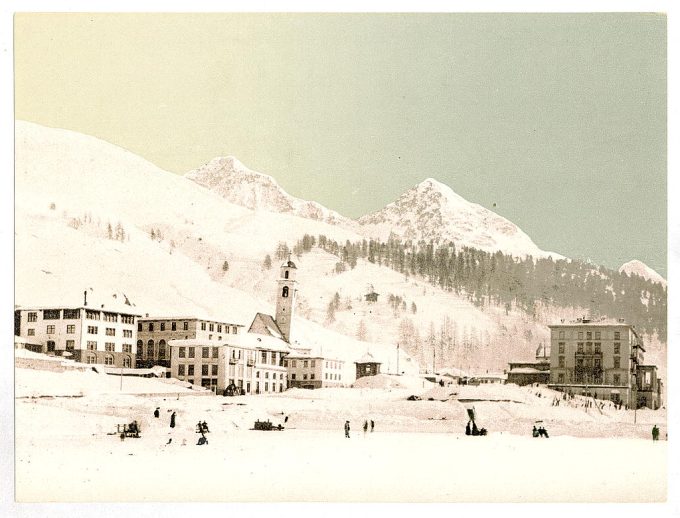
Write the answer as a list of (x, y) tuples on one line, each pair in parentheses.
[(65, 449)]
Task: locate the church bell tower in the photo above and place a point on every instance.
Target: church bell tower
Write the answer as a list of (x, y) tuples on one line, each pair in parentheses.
[(285, 298)]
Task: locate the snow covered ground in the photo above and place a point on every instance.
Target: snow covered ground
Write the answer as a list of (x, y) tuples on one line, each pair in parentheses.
[(66, 449)]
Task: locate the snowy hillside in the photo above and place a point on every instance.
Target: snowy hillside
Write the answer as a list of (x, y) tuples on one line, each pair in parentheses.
[(639, 268), (236, 183), (431, 210)]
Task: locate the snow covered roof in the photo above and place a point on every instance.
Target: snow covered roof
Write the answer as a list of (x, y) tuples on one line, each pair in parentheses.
[(122, 310), (526, 370), (592, 322), (250, 341), (367, 358), (289, 264), (267, 323), (147, 316)]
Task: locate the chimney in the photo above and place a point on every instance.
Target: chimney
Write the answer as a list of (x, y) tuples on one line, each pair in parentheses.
[(85, 298)]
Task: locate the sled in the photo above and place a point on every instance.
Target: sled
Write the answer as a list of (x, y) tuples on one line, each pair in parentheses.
[(266, 426)]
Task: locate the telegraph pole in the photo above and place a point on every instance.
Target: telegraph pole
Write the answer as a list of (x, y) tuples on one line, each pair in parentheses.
[(398, 372)]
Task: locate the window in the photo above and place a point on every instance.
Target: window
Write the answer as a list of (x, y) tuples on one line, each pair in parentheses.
[(91, 345), (617, 348), (127, 362), (91, 315), (180, 370), (186, 326), (284, 292), (598, 363), (597, 335), (204, 370), (110, 331), (109, 346), (580, 335), (304, 376), (281, 376), (293, 363), (202, 326), (617, 335), (304, 363), (93, 330), (32, 316), (219, 328), (161, 349), (579, 362), (313, 364), (51, 314), (50, 330), (561, 334), (127, 333), (149, 350), (215, 352), (192, 352), (561, 361), (91, 359), (579, 347), (70, 345), (266, 386), (257, 374), (71, 314), (108, 360), (182, 352), (234, 330), (31, 332), (589, 347), (325, 376), (162, 326), (139, 326), (140, 346), (127, 319), (150, 326), (211, 327), (292, 376), (311, 376), (127, 348), (285, 274), (617, 379), (205, 352), (598, 347), (173, 326), (209, 337), (617, 362), (589, 335), (264, 356), (560, 377), (560, 347), (191, 370), (273, 358), (214, 370)]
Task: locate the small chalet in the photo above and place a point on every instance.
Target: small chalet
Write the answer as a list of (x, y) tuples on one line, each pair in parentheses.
[(367, 365)]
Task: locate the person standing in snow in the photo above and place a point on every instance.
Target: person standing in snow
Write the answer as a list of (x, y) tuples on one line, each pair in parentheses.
[(172, 420), (157, 412), (365, 426), (372, 425), (655, 433), (347, 429)]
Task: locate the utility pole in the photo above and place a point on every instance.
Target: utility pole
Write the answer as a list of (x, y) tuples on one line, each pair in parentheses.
[(398, 360), (434, 352)]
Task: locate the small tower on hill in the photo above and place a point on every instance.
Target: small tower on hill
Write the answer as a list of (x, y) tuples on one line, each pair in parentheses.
[(285, 298)]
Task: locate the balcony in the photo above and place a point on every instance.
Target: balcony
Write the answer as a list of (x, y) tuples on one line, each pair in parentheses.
[(251, 362), (233, 361)]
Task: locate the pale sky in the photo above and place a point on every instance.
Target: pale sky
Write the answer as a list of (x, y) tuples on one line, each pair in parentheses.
[(559, 119)]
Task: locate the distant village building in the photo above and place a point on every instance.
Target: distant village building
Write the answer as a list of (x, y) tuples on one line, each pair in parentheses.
[(372, 296), (367, 365), (312, 372), (528, 373), (240, 364), (490, 377), (154, 333), (86, 334), (603, 359)]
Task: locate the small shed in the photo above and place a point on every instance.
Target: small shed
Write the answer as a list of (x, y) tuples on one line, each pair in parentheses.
[(367, 365), (371, 297)]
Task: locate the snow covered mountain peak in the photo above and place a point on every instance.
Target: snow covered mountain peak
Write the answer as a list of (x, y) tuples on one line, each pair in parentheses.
[(229, 178), (431, 210), (641, 269)]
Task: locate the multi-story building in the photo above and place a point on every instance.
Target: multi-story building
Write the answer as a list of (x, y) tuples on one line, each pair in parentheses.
[(242, 364), (84, 333), (154, 333), (528, 373), (596, 358), (311, 372)]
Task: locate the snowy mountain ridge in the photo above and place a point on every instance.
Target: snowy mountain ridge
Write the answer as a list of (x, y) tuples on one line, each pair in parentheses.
[(433, 211), (236, 183), (636, 267)]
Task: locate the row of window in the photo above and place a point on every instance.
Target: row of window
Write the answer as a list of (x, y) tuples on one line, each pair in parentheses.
[(590, 347), (188, 370), (616, 378), (590, 335), (91, 314), (589, 362), (205, 352), (185, 327), (108, 346), (108, 360)]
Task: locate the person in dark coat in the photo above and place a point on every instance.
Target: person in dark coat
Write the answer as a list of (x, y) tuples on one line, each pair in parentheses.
[(347, 429), (655, 433), (365, 426), (372, 424), (467, 429), (534, 432), (172, 420), (475, 430), (157, 412)]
